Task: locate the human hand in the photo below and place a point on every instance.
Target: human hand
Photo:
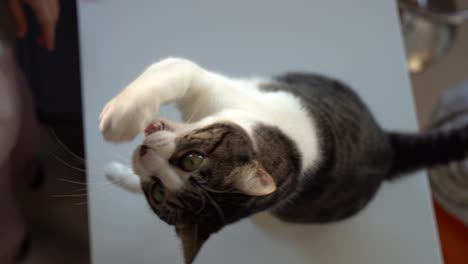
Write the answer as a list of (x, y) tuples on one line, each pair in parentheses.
[(46, 12)]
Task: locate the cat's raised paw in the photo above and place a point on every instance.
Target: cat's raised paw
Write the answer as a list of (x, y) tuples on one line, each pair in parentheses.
[(122, 119)]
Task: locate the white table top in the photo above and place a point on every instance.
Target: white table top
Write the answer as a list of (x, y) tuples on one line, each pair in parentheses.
[(355, 41)]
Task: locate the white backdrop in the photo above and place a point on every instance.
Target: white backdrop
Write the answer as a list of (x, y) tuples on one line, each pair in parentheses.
[(356, 41)]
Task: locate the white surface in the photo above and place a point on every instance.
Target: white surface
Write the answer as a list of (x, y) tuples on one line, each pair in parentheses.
[(356, 41)]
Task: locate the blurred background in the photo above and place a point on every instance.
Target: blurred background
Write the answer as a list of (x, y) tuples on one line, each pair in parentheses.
[(436, 39)]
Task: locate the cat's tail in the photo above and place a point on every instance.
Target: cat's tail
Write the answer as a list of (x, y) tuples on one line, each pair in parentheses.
[(417, 151)]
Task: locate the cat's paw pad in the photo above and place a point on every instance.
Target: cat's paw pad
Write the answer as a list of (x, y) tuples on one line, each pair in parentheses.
[(122, 119)]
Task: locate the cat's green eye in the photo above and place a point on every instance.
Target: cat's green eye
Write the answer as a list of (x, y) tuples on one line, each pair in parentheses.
[(191, 161), (157, 193)]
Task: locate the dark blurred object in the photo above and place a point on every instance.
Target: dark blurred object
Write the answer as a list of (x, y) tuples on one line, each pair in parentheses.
[(54, 77), (57, 211), (429, 28)]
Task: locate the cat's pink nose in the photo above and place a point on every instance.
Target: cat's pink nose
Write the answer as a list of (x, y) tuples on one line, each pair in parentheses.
[(154, 127)]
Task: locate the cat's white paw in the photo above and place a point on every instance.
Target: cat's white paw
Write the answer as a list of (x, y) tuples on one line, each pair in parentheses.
[(123, 118), (132, 110), (122, 176), (115, 172)]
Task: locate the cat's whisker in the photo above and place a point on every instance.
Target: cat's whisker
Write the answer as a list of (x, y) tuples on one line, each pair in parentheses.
[(81, 204), (170, 217), (81, 190), (109, 184), (211, 98), (101, 196), (69, 195), (199, 195), (64, 162), (75, 182), (203, 184), (86, 202), (218, 191), (192, 115), (121, 184), (215, 205), (191, 194), (89, 184), (202, 206), (72, 181), (98, 188), (177, 103), (105, 186), (189, 119), (84, 189), (57, 139), (176, 216), (103, 192)]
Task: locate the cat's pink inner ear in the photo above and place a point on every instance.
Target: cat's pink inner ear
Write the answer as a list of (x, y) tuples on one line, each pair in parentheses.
[(254, 180)]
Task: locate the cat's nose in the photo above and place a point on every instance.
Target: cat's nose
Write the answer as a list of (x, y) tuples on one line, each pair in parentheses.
[(143, 150)]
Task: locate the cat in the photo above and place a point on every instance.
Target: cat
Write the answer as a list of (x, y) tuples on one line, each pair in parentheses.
[(302, 146)]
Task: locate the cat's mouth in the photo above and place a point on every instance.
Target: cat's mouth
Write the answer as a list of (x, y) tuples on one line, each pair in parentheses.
[(157, 126), (152, 128)]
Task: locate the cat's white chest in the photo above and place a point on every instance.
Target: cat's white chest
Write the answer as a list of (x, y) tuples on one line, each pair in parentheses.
[(288, 114), (248, 105)]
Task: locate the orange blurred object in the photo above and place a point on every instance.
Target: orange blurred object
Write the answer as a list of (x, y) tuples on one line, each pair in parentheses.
[(453, 237)]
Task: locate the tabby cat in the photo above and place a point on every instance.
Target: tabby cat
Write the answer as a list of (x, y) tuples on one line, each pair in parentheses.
[(301, 146)]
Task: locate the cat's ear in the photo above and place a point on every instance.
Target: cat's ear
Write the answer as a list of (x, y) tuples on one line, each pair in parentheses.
[(253, 179), (193, 236)]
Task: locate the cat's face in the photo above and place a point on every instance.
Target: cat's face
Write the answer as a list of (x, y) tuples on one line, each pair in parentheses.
[(200, 179)]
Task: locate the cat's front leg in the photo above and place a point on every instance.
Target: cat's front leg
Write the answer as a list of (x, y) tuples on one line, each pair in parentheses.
[(123, 176), (132, 110)]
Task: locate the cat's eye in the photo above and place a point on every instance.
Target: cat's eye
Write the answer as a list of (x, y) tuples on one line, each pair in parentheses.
[(157, 193), (191, 161)]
